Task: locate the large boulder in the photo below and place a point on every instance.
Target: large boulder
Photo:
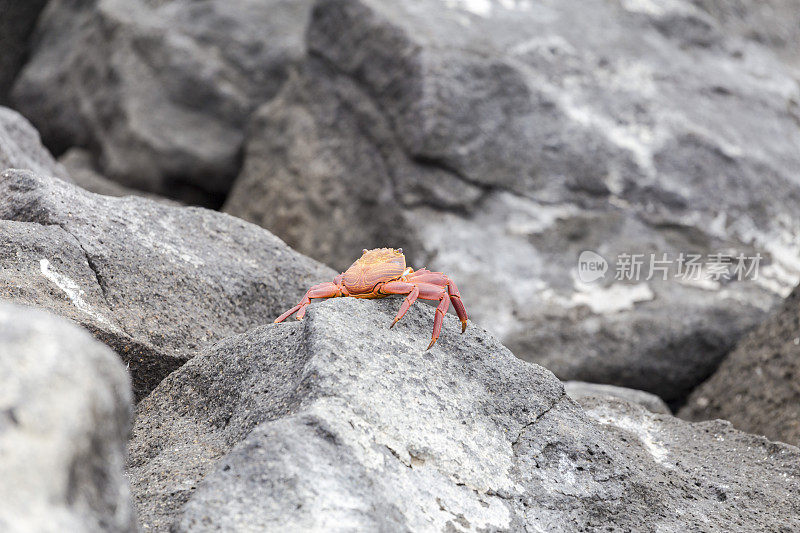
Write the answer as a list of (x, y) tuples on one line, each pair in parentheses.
[(497, 141), (21, 146), (16, 24), (159, 90), (154, 282), (65, 415), (757, 386), (340, 423)]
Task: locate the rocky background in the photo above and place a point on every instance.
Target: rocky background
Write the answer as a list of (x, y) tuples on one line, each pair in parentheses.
[(176, 173)]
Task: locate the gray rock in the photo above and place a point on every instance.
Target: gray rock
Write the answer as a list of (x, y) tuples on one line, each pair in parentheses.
[(496, 141), (329, 189), (580, 390), (83, 172), (21, 146), (159, 90), (154, 282), (339, 423), (65, 415), (756, 386), (774, 23), (16, 25)]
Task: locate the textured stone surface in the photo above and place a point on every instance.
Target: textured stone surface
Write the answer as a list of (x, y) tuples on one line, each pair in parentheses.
[(757, 386), (580, 390), (65, 415), (83, 172), (496, 141), (774, 23), (16, 24), (159, 91), (154, 282), (21, 146), (339, 423)]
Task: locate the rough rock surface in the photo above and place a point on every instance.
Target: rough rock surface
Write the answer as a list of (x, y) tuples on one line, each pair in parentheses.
[(757, 386), (65, 415), (774, 23), (82, 171), (496, 141), (154, 282), (16, 24), (159, 91), (339, 423), (21, 146), (580, 390)]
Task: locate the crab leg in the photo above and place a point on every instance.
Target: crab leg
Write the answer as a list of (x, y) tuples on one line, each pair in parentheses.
[(440, 279), (401, 287), (441, 310), (323, 290), (458, 305), (426, 291), (429, 291)]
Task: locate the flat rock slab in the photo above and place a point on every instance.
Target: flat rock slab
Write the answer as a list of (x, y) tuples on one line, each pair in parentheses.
[(757, 387), (339, 423), (154, 282), (65, 414)]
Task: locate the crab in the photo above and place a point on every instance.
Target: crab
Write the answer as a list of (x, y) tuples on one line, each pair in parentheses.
[(383, 272)]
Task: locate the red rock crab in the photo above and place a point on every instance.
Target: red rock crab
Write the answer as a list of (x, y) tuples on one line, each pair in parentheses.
[(382, 272)]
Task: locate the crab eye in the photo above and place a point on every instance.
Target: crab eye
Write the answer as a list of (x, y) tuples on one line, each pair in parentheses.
[(363, 251), (400, 250)]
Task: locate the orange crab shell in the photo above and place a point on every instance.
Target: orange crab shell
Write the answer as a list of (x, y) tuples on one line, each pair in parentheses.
[(372, 268)]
